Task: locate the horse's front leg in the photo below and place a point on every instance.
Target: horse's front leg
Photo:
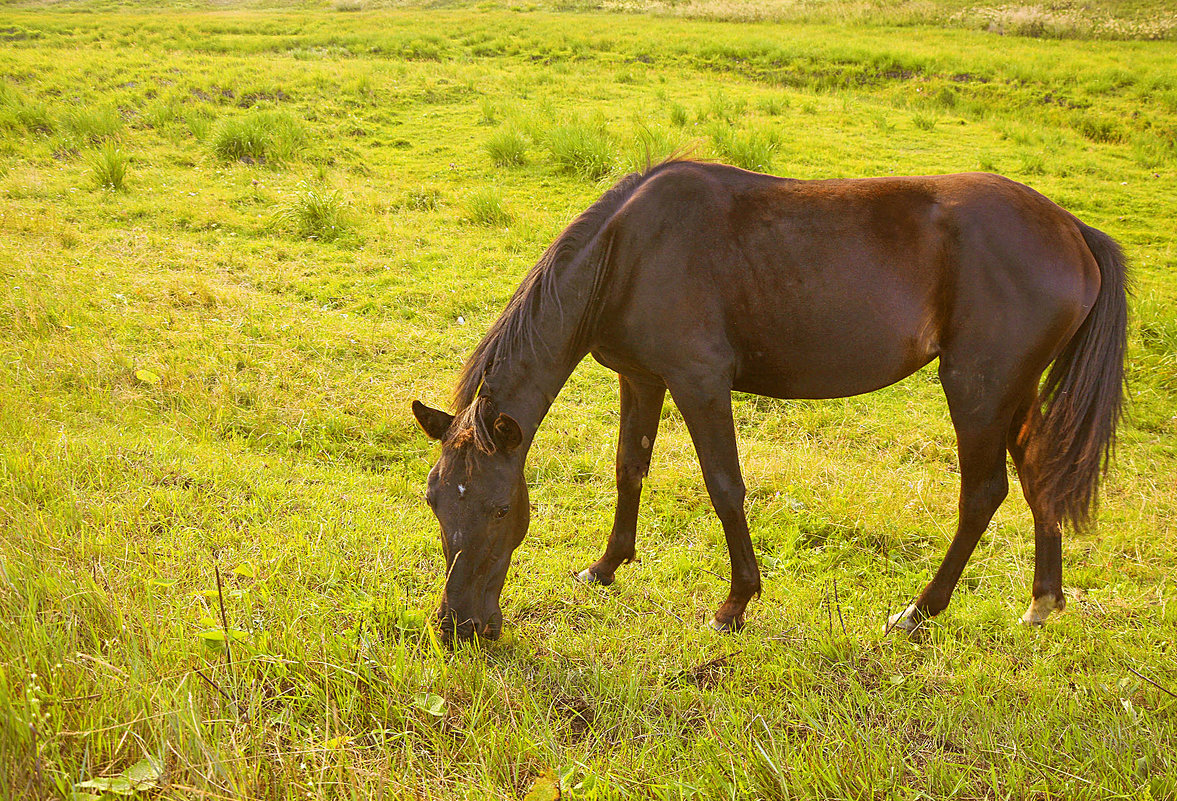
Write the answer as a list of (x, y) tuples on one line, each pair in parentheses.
[(641, 409), (706, 408)]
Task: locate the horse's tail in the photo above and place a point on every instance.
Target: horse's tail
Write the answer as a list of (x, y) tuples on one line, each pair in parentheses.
[(1084, 393)]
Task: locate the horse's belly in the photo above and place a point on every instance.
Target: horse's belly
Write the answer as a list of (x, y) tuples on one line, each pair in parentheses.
[(822, 379), (819, 361)]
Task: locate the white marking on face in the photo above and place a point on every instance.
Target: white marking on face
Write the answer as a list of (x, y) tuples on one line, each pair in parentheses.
[(461, 490), (645, 442)]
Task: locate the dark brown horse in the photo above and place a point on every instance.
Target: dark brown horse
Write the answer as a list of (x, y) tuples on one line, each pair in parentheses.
[(701, 279)]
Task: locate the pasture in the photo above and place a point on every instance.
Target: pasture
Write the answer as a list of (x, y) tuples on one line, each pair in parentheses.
[(236, 242)]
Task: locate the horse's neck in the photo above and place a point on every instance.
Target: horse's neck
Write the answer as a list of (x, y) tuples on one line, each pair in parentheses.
[(526, 385)]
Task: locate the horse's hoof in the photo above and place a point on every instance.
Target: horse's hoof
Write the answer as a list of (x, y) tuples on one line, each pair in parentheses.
[(587, 576), (715, 624), (910, 621), (1040, 609)]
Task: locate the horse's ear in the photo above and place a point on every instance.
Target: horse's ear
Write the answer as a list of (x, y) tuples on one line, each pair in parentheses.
[(434, 421), (507, 433)]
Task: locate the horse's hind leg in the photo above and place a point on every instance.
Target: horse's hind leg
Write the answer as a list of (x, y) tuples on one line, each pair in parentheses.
[(641, 409), (982, 422), (1047, 592)]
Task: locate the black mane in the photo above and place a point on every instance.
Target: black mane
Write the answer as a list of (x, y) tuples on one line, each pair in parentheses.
[(515, 330)]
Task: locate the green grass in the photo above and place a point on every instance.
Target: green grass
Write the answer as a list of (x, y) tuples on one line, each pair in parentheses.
[(752, 150), (315, 212), (485, 207), (108, 165), (507, 148), (259, 137), (581, 149), (197, 378)]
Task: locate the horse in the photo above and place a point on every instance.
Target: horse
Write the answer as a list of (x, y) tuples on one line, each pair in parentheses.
[(698, 279)]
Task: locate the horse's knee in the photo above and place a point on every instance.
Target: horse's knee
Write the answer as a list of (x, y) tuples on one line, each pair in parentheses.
[(630, 474)]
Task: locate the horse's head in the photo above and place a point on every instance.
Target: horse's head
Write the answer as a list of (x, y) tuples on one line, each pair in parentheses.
[(479, 495)]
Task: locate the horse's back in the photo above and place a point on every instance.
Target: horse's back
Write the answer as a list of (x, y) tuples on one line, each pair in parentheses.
[(829, 288)]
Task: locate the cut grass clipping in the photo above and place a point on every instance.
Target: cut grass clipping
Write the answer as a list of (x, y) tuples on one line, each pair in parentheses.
[(259, 137)]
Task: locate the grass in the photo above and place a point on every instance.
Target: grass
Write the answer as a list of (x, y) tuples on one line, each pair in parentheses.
[(17, 113), (581, 149), (89, 126), (197, 381), (485, 207), (751, 150), (259, 137), (108, 165), (507, 148), (314, 212)]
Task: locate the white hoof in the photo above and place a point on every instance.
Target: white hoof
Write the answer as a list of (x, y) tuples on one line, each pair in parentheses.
[(724, 628), (587, 576), (907, 621), (1040, 609)]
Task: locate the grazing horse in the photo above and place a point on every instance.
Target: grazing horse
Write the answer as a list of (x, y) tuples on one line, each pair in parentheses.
[(701, 279)]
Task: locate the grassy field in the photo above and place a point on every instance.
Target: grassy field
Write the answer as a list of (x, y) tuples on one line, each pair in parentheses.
[(236, 242)]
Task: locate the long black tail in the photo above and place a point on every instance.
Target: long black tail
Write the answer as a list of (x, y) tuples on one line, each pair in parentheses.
[(1084, 393)]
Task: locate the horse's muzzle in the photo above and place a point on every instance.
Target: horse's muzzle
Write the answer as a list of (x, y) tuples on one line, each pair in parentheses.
[(468, 628)]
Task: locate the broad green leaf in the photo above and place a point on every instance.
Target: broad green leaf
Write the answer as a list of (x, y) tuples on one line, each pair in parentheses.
[(410, 620), (218, 635), (144, 774), (433, 704), (245, 569), (147, 377), (119, 785)]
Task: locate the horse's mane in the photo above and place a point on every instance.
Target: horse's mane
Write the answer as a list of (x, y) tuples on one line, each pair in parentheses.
[(515, 330)]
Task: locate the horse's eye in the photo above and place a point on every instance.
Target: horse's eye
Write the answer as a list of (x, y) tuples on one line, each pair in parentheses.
[(501, 512)]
